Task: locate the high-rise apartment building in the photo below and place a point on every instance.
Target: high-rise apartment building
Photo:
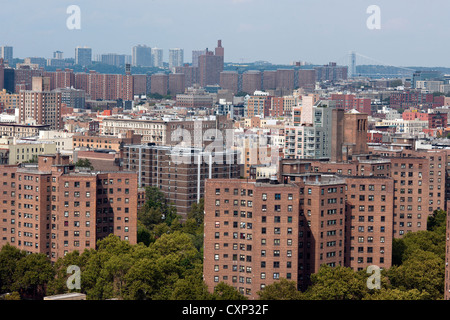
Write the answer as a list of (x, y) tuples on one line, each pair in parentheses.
[(311, 138), (269, 79), (331, 72), (41, 105), (6, 53), (113, 59), (285, 79), (141, 55), (61, 78), (195, 55), (58, 55), (7, 76), (83, 56), (105, 86), (350, 101), (176, 83), (257, 105), (307, 79), (191, 74), (159, 83), (229, 80), (53, 209), (251, 81), (180, 173), (157, 57), (211, 65), (176, 58)]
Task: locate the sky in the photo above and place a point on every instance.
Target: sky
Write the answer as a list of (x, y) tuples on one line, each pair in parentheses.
[(411, 33)]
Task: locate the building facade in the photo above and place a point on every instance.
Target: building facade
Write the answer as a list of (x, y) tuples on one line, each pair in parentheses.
[(52, 208)]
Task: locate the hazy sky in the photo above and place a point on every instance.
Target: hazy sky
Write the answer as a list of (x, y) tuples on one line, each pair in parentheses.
[(413, 33)]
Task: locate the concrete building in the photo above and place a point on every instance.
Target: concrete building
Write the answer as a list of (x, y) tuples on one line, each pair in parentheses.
[(180, 173), (6, 53), (176, 58), (83, 56), (157, 57), (141, 56)]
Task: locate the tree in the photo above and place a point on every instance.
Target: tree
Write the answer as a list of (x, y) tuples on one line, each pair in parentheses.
[(337, 283), (436, 221), (224, 291), (191, 287), (280, 290), (33, 272), (9, 258), (423, 270), (397, 294), (84, 163)]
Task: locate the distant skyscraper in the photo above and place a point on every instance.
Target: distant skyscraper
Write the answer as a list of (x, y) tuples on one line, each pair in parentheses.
[(58, 55), (6, 52), (352, 65), (141, 56), (195, 55), (113, 59), (83, 56), (157, 57), (176, 57)]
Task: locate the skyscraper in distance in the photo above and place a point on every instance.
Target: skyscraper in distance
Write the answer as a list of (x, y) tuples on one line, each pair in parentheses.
[(6, 52), (176, 57), (83, 56), (195, 55), (157, 57), (141, 56)]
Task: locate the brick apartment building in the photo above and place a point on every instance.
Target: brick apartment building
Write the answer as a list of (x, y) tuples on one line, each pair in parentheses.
[(344, 213), (105, 86), (350, 101), (258, 232), (251, 233), (53, 208), (40, 105)]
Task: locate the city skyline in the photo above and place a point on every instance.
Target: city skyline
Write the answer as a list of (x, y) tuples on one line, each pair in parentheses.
[(315, 32)]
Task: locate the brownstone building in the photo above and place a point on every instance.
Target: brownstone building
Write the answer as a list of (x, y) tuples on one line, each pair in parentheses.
[(54, 208)]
